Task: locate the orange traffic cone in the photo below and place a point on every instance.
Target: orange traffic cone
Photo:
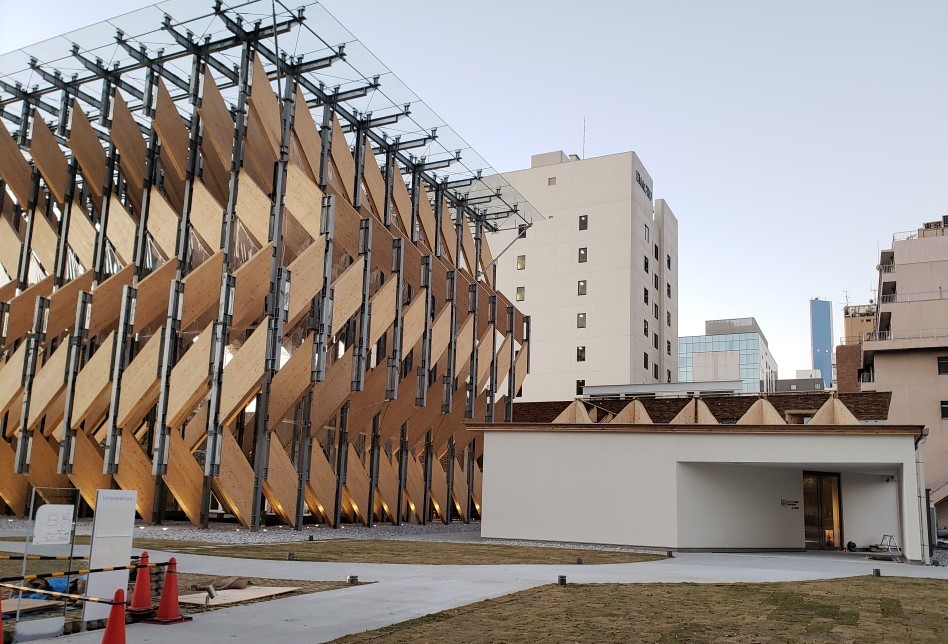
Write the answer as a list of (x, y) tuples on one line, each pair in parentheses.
[(115, 626), (142, 605), (168, 610)]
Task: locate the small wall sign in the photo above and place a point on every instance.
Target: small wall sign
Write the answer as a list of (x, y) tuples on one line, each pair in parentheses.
[(790, 504)]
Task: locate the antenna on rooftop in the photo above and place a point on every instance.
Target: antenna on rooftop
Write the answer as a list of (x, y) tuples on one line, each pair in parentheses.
[(846, 297)]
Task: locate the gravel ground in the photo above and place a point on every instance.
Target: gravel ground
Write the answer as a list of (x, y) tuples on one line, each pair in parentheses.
[(232, 534), (941, 556)]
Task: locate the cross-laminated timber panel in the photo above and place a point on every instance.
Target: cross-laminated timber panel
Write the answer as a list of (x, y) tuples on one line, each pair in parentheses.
[(303, 253)]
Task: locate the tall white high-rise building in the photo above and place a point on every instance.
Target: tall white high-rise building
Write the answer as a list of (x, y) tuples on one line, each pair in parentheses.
[(598, 275)]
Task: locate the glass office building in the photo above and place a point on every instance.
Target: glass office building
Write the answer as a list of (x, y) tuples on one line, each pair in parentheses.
[(821, 338), (733, 349)]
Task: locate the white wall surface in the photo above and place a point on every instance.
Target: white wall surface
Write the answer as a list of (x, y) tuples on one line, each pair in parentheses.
[(739, 506), (621, 488), (870, 507)]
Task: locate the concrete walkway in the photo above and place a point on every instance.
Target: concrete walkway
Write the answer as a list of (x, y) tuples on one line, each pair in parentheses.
[(408, 591)]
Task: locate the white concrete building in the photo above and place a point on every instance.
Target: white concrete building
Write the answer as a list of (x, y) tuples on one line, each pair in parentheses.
[(694, 484), (598, 276)]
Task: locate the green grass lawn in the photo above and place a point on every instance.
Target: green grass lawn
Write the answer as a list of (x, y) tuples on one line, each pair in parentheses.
[(864, 609)]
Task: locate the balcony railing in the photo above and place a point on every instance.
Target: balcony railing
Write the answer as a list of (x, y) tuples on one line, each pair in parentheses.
[(867, 377), (886, 268), (918, 334), (913, 297)]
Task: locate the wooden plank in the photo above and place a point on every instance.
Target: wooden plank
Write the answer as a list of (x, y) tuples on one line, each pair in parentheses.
[(440, 333), (357, 485), (459, 490), (22, 307), (426, 216), (487, 259), (252, 286), (9, 247), (62, 305), (81, 237), (463, 345), (87, 474), (309, 267), (233, 487), (171, 132), (216, 142), (401, 201), (484, 355), (520, 369), (107, 300), (321, 486), (253, 210), (413, 323), (14, 488), (264, 102), (347, 295), (503, 363), (151, 303), (439, 488), (189, 379), (478, 487), (374, 185), (383, 310), (14, 169), (304, 200), (49, 159), (163, 224), (11, 379), (206, 216), (92, 383), (343, 161), (87, 149), (415, 488), (121, 230), (44, 242), (449, 232), (140, 384), (243, 374), (281, 483), (184, 478), (291, 381), (307, 133), (47, 385), (134, 473), (387, 493), (43, 461), (127, 137), (467, 246), (202, 289)]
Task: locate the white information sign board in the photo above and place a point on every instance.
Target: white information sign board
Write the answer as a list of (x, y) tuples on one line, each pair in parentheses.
[(112, 529), (53, 524)]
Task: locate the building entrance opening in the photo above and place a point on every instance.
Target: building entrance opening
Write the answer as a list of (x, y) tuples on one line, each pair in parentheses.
[(822, 516)]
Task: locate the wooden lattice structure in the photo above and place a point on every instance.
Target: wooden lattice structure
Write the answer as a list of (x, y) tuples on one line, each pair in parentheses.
[(235, 285)]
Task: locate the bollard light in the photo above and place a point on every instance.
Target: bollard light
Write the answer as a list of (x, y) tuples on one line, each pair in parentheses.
[(352, 580), (579, 561), (876, 572), (561, 580), (290, 556)]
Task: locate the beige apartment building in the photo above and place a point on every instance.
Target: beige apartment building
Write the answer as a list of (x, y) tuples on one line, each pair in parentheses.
[(598, 276), (904, 348)]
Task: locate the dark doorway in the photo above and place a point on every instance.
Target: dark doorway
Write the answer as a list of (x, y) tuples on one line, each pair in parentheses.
[(822, 511)]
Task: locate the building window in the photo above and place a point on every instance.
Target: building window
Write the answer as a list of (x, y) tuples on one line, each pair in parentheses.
[(579, 387), (668, 261), (551, 181), (943, 365), (646, 263), (645, 294), (656, 251), (655, 310), (583, 222), (521, 292), (580, 320), (944, 409), (668, 375), (655, 341), (668, 318), (668, 289), (581, 287), (645, 327), (646, 232), (668, 347), (655, 280), (582, 255), (521, 262), (580, 354), (655, 371), (645, 366), (522, 231)]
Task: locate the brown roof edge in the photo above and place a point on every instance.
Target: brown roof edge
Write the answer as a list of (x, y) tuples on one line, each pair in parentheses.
[(857, 430)]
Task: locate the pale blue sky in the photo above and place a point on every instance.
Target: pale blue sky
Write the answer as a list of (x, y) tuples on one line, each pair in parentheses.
[(791, 139)]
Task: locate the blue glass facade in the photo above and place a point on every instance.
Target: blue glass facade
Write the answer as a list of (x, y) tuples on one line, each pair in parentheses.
[(821, 338), (740, 356)]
